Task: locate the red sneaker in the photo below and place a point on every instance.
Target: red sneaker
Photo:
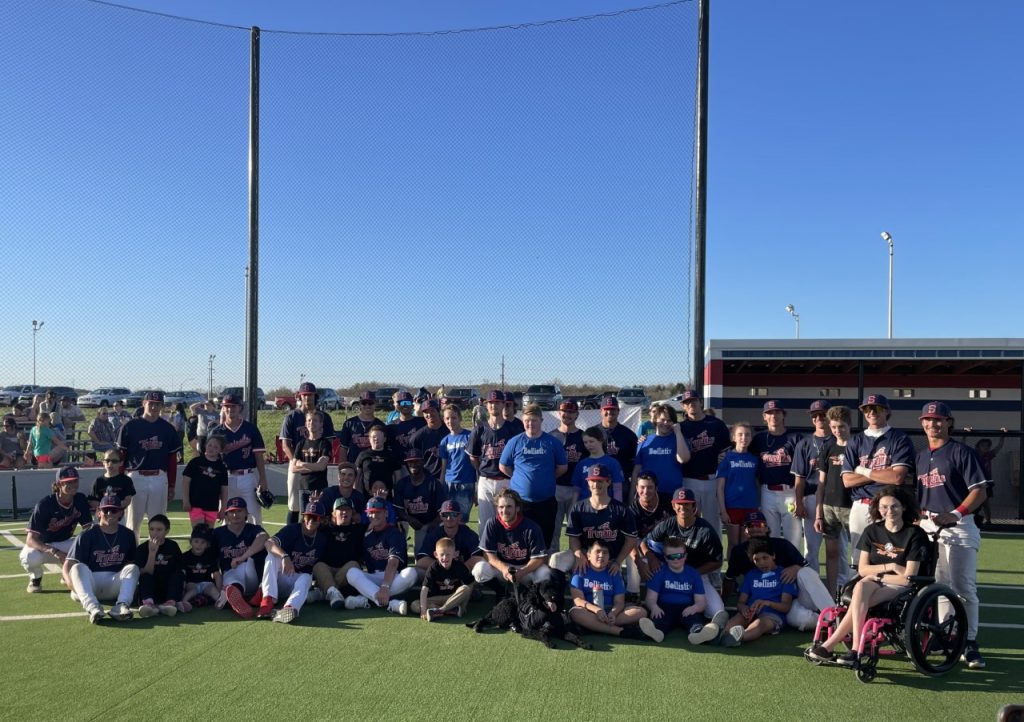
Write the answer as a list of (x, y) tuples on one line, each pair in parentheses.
[(266, 608), (256, 598), (238, 603)]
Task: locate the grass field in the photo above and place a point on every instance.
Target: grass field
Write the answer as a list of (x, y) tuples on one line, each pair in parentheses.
[(369, 665)]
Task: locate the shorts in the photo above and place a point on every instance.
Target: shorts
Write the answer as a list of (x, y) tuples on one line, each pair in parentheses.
[(196, 515), (836, 520), (736, 516), (43, 459), (776, 618)]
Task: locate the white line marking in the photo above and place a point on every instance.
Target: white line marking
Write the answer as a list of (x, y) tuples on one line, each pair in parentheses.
[(984, 624), (12, 539), (1004, 533), (32, 617), (1002, 606), (1007, 587), (13, 576)]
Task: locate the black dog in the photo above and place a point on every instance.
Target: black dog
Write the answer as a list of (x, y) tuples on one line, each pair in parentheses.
[(535, 612)]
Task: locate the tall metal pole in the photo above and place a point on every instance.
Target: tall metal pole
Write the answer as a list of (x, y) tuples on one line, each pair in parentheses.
[(701, 187), (212, 357), (888, 239), (36, 325), (253, 280)]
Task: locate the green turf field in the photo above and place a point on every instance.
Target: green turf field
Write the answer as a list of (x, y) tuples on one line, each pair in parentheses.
[(369, 665)]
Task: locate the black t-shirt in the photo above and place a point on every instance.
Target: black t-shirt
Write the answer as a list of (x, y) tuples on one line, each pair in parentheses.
[(703, 542), (168, 558), (575, 452), (199, 568), (400, 433), (426, 441), (120, 485), (309, 451), (205, 480), (885, 547), (377, 465), (344, 544), (622, 443), (786, 555), (443, 582), (355, 436), (647, 520), (831, 462)]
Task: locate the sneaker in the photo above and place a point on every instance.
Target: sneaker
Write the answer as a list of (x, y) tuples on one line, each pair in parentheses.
[(75, 597), (120, 612), (147, 610), (849, 659), (820, 654), (222, 600), (972, 656), (315, 595), (256, 599), (701, 633), (720, 619), (96, 615), (184, 607), (34, 585), (433, 614), (648, 628), (733, 637), (286, 615), (357, 602), (335, 598), (233, 595), (399, 607), (168, 608), (266, 608)]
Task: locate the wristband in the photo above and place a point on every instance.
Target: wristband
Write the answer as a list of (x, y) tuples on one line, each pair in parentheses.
[(964, 510), (957, 514)]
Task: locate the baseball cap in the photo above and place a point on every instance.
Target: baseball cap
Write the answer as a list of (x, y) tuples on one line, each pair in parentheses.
[(819, 407), (429, 404), (754, 517), (875, 400), (404, 396), (306, 388), (684, 496), (568, 406), (935, 410), (314, 508), (231, 400), (413, 455), (609, 402), (376, 503), (451, 506), (495, 395), (236, 503), (157, 396), (690, 395), (67, 473), (367, 396), (110, 501), (342, 503), (599, 471), (773, 405)]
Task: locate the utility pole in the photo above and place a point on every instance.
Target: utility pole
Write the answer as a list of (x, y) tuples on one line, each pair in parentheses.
[(503, 373)]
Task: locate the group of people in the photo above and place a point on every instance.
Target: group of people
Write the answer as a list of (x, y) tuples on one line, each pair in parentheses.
[(639, 511)]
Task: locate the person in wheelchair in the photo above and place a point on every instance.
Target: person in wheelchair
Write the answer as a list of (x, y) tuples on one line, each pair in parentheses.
[(892, 550)]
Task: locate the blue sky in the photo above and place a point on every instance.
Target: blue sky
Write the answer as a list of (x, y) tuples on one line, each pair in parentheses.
[(430, 203)]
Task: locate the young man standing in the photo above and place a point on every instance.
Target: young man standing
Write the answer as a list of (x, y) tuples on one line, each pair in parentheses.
[(706, 437), (775, 448), (485, 446), (354, 436), (572, 441), (293, 430), (243, 455), (805, 477), (621, 442)]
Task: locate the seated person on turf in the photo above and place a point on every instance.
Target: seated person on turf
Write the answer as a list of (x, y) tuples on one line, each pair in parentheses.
[(238, 543), (447, 586), (161, 583), (344, 551), (288, 572), (765, 598), (385, 558), (599, 600), (467, 543), (675, 596), (199, 563), (514, 546), (50, 528), (891, 550), (379, 489)]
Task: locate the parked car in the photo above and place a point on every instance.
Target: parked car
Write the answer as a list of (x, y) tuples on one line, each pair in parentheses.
[(134, 399), (463, 398), (546, 396), (330, 401), (9, 395), (633, 396), (102, 397), (59, 391), (240, 392), (594, 401), (383, 395), (676, 402), (185, 397)]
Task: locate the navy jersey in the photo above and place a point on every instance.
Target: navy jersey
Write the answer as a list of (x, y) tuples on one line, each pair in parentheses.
[(231, 545), (443, 582), (148, 445), (776, 455), (658, 454), (703, 542), (622, 444), (427, 440), (199, 568), (946, 475), (707, 439), (168, 558), (333, 493), (120, 485), (205, 480), (786, 555), (575, 452), (422, 501), (241, 445), (516, 544), (54, 522), (103, 552), (355, 436), (891, 449), (486, 444), (380, 546), (676, 588), (533, 463), (909, 544), (303, 550), (647, 520), (344, 544), (831, 462), (293, 427), (467, 543), (400, 433), (612, 525), (805, 460), (310, 451)]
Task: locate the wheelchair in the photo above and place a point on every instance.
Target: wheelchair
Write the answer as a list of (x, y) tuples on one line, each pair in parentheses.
[(927, 622)]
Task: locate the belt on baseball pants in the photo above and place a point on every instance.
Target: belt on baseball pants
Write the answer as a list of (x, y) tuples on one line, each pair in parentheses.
[(241, 472), (863, 501), (148, 472), (777, 487)]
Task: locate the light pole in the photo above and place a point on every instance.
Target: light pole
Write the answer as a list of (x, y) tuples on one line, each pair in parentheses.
[(36, 325), (796, 317), (210, 394), (888, 239)]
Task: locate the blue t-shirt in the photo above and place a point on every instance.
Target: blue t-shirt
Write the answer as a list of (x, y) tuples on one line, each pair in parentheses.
[(533, 463), (579, 477), (148, 445), (740, 471), (676, 588), (611, 584), (104, 552), (55, 523), (304, 551), (452, 451), (658, 454), (767, 586)]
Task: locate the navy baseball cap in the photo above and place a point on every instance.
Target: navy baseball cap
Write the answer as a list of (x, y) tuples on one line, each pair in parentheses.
[(875, 400), (496, 396), (376, 504), (343, 502), (754, 517), (935, 410), (404, 396), (429, 404), (568, 406), (231, 400), (610, 402), (690, 395), (314, 508), (236, 503), (819, 407), (67, 473), (110, 501), (684, 496), (157, 396), (599, 471), (773, 405), (413, 455), (306, 388), (367, 397), (451, 506)]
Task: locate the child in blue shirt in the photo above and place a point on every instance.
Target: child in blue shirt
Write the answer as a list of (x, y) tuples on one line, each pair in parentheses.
[(599, 600), (594, 443), (675, 596), (764, 598), (738, 490)]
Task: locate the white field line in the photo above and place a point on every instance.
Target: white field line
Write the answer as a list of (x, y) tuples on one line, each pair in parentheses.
[(1002, 606), (1007, 587), (52, 568), (33, 617), (992, 626)]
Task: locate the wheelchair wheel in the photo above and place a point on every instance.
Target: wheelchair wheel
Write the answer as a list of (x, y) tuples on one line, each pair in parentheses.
[(935, 629), (867, 673)]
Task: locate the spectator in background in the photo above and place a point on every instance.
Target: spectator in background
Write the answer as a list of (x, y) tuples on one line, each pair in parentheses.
[(986, 454), (45, 446), (208, 417), (479, 413), (178, 421), (12, 444), (50, 404), (509, 413), (396, 412), (118, 416), (647, 427), (621, 442), (71, 415), (101, 432)]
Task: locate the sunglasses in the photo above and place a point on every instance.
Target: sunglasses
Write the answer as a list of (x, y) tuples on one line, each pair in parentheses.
[(110, 512), (449, 515), (756, 525), (676, 557)]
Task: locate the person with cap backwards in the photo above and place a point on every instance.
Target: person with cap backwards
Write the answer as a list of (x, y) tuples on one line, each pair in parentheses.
[(664, 452), (385, 558), (51, 526), (775, 448), (308, 467), (951, 486), (533, 460), (354, 436), (294, 428), (345, 488), (239, 544), (243, 455), (100, 564), (427, 439), (805, 477), (400, 430), (514, 547), (291, 555), (452, 526), (344, 550), (813, 596), (566, 493), (707, 438), (704, 553), (485, 446), (149, 446), (621, 442), (418, 497), (877, 457), (457, 472)]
